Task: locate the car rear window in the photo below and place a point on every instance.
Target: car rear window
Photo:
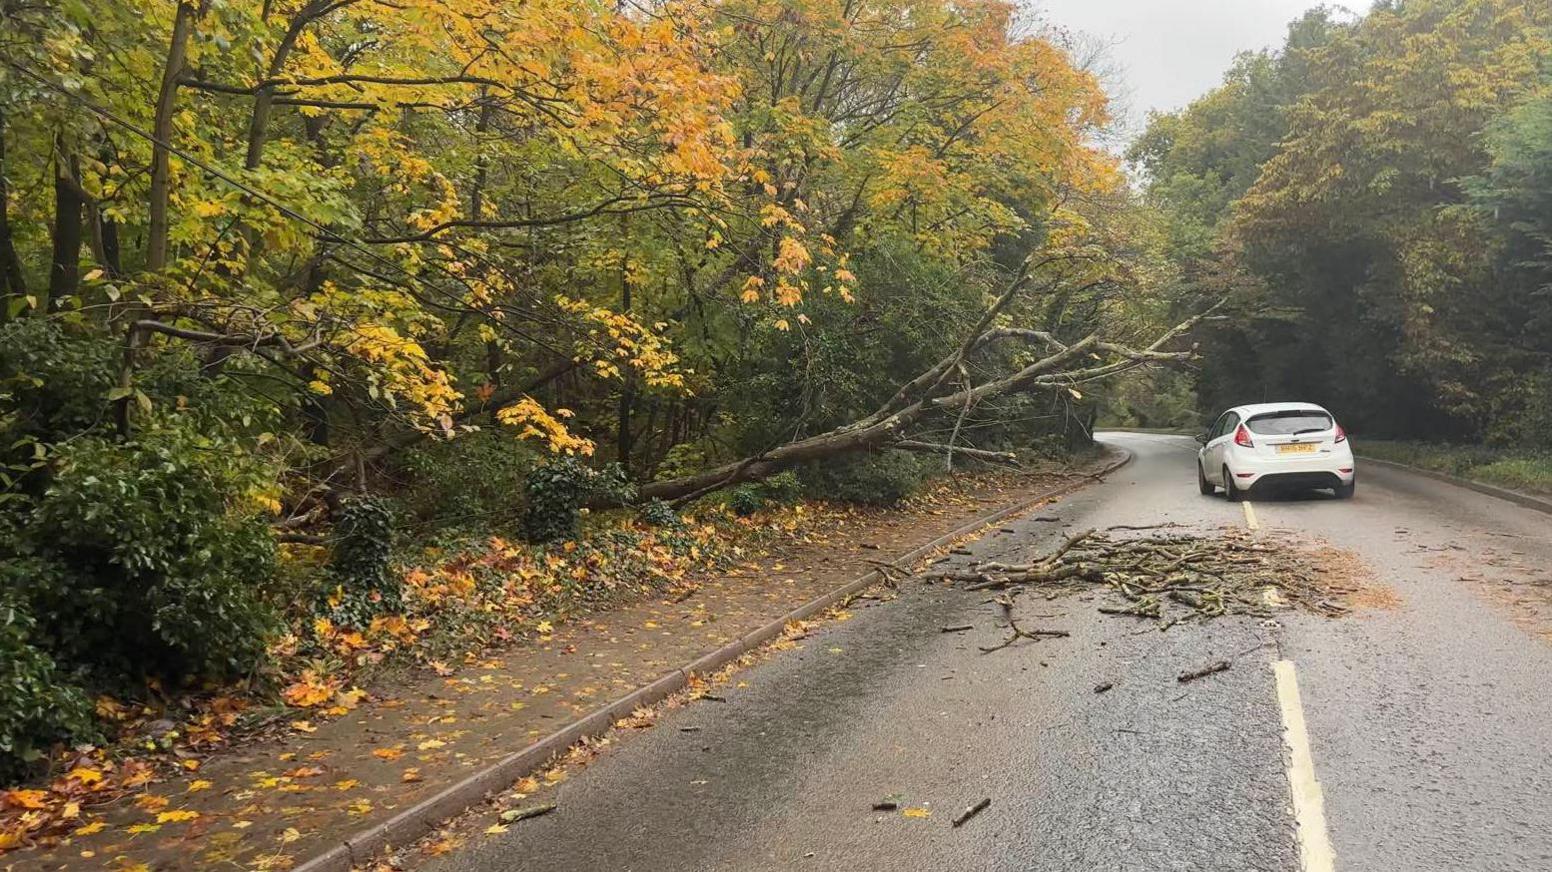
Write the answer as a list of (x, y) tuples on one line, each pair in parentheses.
[(1289, 423)]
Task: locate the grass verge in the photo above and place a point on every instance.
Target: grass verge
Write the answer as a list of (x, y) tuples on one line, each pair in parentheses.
[(1521, 471)]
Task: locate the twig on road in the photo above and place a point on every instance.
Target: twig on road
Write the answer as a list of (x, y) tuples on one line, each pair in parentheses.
[(971, 812), (1212, 669)]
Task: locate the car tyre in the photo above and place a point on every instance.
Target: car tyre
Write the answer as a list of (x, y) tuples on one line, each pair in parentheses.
[(1230, 492), (1345, 491), (1202, 484)]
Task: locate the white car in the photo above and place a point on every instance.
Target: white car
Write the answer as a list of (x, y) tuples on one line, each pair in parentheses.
[(1292, 446)]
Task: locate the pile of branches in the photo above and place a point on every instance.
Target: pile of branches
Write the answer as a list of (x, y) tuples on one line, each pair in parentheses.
[(1172, 578)]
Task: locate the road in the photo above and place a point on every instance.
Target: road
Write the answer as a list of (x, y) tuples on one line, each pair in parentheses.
[(1428, 722)]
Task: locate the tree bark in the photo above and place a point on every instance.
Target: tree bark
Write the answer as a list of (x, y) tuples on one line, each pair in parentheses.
[(69, 210), (158, 223), (13, 281)]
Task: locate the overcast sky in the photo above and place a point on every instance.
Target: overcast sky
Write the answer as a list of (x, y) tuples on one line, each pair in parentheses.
[(1165, 53)]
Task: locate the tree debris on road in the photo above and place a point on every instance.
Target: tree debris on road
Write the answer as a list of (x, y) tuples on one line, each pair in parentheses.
[(1213, 669), (971, 812), (1169, 578), (1006, 604), (512, 816)]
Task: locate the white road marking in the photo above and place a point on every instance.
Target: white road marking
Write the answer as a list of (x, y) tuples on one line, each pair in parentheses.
[(1309, 806), (1250, 516)]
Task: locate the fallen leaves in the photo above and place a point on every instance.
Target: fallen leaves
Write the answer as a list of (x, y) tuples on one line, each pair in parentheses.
[(27, 799), (176, 817)]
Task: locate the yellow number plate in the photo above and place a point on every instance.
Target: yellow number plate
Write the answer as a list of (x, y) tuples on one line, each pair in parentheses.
[(1306, 448)]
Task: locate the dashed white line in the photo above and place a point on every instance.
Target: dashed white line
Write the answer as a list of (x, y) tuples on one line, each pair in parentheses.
[(1309, 806)]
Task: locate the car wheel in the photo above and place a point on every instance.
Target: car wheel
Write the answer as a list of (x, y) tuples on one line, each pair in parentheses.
[(1202, 484), (1232, 493), (1345, 491)]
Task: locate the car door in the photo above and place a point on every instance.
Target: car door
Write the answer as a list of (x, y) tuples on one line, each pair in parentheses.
[(1217, 443)]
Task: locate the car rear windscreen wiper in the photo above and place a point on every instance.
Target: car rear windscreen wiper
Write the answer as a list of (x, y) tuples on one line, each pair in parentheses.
[(1310, 430)]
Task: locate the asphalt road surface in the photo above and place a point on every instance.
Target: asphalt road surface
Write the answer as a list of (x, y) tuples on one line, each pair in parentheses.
[(1429, 724)]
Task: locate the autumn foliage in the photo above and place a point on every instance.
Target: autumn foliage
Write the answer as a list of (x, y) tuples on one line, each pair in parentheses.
[(268, 269)]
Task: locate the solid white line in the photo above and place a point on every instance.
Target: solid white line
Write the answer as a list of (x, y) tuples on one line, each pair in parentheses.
[(1309, 806), (1250, 516)]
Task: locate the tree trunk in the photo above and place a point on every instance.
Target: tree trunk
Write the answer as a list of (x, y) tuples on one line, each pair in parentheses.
[(69, 209), (13, 282), (161, 129), (919, 398)]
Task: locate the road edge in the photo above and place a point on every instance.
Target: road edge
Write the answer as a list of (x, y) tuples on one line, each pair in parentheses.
[(1503, 493), (420, 818)]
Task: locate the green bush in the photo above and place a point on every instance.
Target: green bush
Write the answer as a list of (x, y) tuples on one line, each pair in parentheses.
[(745, 500), (38, 707), (359, 562), (142, 566), (783, 488), (470, 482), (883, 478), (656, 513), (557, 490)]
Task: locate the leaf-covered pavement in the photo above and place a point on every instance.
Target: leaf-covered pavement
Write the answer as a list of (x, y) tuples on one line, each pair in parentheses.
[(272, 803)]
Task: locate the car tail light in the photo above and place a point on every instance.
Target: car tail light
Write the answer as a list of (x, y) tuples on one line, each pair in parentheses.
[(1242, 438), (1341, 435)]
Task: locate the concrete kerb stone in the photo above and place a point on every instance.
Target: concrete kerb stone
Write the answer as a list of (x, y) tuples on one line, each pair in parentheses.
[(419, 819)]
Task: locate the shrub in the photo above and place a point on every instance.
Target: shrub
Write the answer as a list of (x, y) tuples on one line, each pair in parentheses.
[(657, 513), (466, 482), (359, 562), (557, 490), (38, 708), (783, 487), (746, 499), (882, 478), (142, 566)]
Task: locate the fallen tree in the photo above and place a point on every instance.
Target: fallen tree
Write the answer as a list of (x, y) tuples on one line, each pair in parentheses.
[(1064, 366)]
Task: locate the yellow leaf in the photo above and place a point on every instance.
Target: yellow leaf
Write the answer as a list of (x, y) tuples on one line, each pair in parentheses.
[(290, 835), (303, 727), (85, 775), (411, 775), (33, 799), (432, 744), (137, 829), (93, 827), (202, 784), (388, 753), (916, 813), (175, 817), (495, 830)]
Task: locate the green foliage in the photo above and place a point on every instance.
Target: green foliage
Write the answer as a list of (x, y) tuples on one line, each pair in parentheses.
[(38, 706), (745, 500), (1513, 468), (472, 481), (557, 491), (1394, 272), (656, 513), (145, 560), (359, 562), (783, 487), (880, 479)]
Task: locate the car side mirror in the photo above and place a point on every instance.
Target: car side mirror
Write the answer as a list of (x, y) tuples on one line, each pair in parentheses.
[(1201, 438)]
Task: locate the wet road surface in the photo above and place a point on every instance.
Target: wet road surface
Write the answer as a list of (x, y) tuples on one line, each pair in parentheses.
[(1429, 724)]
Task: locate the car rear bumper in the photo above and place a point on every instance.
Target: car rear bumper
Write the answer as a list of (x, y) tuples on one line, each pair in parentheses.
[(1324, 471), (1293, 481)]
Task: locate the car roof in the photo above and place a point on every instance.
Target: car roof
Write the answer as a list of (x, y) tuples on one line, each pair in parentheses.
[(1254, 409)]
